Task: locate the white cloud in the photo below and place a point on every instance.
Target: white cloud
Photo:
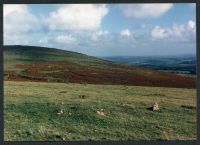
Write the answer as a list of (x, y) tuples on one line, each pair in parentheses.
[(144, 10), (185, 32), (13, 8), (44, 41), (191, 24), (17, 21), (159, 33), (77, 17), (65, 39), (16, 40), (125, 32), (98, 34)]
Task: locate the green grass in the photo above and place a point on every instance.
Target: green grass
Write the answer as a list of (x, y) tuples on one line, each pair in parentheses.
[(16, 54), (31, 54), (30, 112)]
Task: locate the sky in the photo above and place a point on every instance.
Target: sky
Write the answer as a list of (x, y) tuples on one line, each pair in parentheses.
[(103, 29)]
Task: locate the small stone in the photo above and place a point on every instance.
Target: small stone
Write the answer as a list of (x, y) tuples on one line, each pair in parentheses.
[(60, 112), (100, 113), (155, 106), (126, 105)]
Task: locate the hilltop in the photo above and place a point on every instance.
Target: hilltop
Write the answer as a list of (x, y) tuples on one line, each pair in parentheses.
[(30, 63)]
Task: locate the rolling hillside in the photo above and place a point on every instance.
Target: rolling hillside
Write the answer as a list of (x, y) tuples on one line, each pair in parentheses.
[(178, 64), (28, 63), (38, 107), (31, 112)]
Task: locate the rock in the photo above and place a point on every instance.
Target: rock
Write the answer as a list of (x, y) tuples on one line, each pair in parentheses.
[(155, 106), (100, 113), (60, 112), (126, 105)]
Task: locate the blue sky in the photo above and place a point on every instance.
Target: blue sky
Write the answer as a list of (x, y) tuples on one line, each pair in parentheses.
[(104, 29)]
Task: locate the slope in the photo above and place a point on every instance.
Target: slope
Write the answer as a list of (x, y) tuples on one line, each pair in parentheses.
[(29, 63)]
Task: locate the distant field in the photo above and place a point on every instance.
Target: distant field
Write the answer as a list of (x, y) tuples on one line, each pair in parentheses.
[(31, 112), (178, 64)]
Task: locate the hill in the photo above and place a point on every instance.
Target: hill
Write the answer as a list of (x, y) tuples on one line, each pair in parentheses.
[(178, 64), (29, 63), (31, 112)]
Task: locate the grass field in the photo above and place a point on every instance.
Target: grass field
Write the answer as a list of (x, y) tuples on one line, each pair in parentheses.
[(31, 112)]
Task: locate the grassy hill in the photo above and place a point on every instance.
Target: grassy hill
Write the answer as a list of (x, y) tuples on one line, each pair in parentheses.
[(18, 54), (31, 112), (28, 63), (57, 95)]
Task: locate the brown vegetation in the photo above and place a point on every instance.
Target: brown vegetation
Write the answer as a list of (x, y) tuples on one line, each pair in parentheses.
[(64, 71)]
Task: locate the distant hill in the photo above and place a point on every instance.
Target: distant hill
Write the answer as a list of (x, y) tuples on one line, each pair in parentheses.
[(180, 64), (29, 63)]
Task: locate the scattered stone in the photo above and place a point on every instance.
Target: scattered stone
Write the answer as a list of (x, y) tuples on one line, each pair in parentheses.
[(60, 112), (154, 107), (126, 105), (100, 113)]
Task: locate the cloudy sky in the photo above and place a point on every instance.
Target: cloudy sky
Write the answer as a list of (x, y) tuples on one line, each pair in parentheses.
[(104, 29)]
